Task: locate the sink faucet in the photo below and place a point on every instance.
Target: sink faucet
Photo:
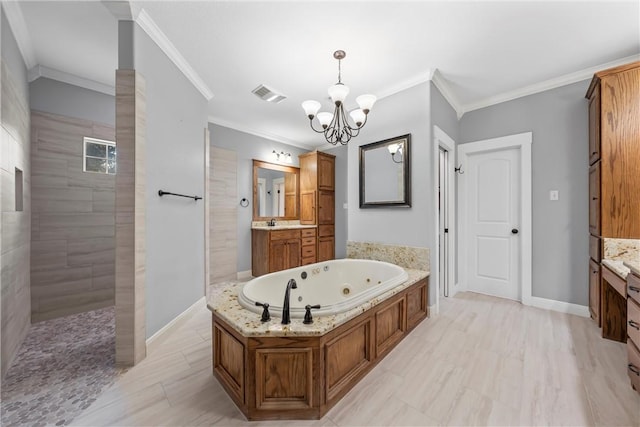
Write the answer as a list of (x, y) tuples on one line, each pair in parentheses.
[(272, 222), (286, 317)]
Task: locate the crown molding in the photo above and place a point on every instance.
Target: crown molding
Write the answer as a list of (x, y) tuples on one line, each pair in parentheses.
[(120, 9), (151, 28), (564, 80), (439, 81), (61, 76), (20, 31), (245, 129), (406, 84)]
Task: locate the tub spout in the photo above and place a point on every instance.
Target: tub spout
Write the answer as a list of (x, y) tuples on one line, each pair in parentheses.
[(286, 315)]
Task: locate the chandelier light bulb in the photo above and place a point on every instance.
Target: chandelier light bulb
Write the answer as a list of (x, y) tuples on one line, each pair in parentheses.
[(365, 102), (358, 116), (338, 93), (311, 108), (325, 118)]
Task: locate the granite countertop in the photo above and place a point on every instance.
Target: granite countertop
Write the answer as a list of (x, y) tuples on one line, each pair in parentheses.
[(282, 227), (223, 302), (634, 266), (617, 266)]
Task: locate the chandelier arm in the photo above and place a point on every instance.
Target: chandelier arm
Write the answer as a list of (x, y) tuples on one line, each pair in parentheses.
[(314, 129)]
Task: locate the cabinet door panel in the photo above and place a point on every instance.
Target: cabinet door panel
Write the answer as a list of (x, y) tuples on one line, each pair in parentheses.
[(594, 290), (293, 253), (326, 248), (326, 213), (308, 207), (326, 173), (594, 126), (277, 255)]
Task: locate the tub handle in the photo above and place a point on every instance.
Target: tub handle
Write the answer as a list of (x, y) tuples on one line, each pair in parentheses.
[(265, 312), (308, 319)]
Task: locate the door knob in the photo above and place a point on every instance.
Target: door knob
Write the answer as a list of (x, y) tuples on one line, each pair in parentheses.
[(514, 231)]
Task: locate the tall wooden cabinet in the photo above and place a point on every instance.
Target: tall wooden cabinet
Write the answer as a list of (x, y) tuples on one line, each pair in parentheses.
[(614, 165), (317, 200)]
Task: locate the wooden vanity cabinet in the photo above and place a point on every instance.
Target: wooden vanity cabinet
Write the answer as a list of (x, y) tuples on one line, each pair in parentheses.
[(594, 290), (317, 200), (613, 306), (633, 330), (274, 250), (614, 156)]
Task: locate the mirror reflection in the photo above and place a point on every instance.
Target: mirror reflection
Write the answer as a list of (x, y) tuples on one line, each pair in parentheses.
[(385, 173), (275, 191)]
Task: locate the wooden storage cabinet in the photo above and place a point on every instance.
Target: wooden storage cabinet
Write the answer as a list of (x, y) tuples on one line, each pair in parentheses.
[(309, 246), (613, 304), (274, 250), (317, 200), (594, 290)]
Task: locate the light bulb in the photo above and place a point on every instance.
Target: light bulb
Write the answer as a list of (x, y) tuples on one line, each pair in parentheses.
[(358, 116), (338, 93), (366, 102), (325, 118), (311, 108)]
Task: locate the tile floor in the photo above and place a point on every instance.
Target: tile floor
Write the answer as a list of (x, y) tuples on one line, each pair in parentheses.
[(481, 361), (62, 367)]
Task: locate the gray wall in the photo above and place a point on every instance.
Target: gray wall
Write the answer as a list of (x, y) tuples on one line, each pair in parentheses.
[(51, 96), (443, 115), (248, 147), (398, 226), (342, 176), (558, 119), (176, 120), (15, 225)]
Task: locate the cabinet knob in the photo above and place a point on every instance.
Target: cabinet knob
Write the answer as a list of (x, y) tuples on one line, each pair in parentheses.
[(634, 324)]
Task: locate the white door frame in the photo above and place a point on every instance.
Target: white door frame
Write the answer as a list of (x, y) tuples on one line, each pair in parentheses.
[(441, 139), (522, 141)]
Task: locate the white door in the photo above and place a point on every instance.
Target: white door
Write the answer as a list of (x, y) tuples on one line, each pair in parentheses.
[(493, 222), (443, 227)]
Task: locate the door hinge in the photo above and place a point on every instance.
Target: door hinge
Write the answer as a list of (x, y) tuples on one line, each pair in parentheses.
[(446, 230)]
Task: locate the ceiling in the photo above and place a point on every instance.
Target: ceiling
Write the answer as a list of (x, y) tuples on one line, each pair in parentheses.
[(484, 51)]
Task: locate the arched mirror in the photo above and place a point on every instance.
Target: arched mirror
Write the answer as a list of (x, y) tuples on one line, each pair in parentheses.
[(275, 191)]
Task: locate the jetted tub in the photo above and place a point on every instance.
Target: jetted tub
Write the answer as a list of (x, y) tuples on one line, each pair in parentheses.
[(337, 285)]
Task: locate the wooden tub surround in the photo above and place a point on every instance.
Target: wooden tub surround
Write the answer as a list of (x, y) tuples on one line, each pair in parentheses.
[(297, 371)]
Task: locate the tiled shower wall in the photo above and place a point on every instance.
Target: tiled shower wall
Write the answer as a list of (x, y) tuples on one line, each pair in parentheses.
[(14, 258), (73, 225)]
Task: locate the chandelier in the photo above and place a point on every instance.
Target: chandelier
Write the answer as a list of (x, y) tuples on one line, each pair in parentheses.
[(336, 127)]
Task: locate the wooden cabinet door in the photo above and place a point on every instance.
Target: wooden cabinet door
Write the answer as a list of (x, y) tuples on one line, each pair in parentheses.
[(594, 290), (594, 126), (293, 253), (594, 199), (278, 255), (326, 173), (308, 207), (326, 211), (326, 248)]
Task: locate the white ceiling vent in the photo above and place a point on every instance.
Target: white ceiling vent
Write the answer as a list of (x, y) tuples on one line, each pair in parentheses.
[(267, 94)]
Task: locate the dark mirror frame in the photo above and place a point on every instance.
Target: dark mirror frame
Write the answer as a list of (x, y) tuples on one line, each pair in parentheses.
[(273, 166), (406, 201)]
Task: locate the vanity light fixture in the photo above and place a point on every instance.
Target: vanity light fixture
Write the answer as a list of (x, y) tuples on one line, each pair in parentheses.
[(336, 127), (393, 150), (282, 157)]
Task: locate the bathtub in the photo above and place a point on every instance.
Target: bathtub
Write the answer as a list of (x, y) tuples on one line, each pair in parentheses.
[(337, 285)]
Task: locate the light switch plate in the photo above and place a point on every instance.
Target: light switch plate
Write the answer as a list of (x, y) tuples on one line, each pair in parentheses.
[(553, 195)]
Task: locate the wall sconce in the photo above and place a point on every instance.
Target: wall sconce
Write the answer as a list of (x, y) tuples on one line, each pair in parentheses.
[(393, 150), (282, 157)]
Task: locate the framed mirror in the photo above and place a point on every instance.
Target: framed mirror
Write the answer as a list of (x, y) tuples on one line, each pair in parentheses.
[(275, 191), (385, 173)]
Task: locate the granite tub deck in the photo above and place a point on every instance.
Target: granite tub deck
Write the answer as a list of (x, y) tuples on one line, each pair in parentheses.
[(273, 371)]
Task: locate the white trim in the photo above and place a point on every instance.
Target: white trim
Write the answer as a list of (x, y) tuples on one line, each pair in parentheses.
[(245, 129), (151, 28), (155, 340), (61, 76), (244, 275), (441, 139), (522, 141), (434, 310), (20, 32), (406, 84), (442, 85), (560, 306), (553, 83)]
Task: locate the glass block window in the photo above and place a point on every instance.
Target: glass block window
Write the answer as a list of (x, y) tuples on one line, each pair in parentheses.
[(99, 156)]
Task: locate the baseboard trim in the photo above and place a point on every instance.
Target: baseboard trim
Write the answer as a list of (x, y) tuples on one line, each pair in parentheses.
[(155, 340), (244, 275), (560, 306), (433, 310)]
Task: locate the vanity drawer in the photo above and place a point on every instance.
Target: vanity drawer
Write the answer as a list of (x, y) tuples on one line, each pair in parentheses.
[(307, 261), (633, 321), (633, 287), (633, 366), (308, 232), (308, 241), (285, 234), (308, 251)]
